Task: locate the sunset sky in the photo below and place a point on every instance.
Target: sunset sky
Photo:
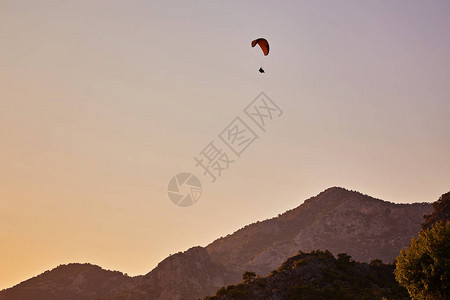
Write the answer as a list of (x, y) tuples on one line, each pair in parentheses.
[(103, 102)]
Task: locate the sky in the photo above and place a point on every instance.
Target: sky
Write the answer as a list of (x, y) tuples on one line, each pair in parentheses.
[(103, 102)]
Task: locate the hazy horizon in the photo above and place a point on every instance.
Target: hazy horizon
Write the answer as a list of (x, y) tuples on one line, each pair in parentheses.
[(102, 103)]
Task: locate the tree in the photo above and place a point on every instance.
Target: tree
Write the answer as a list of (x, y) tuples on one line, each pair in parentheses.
[(248, 276), (441, 212), (344, 260), (423, 268)]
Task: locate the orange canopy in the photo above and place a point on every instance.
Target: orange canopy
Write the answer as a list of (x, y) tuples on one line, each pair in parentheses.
[(263, 43)]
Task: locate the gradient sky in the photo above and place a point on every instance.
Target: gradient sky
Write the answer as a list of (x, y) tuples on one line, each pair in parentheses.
[(102, 102)]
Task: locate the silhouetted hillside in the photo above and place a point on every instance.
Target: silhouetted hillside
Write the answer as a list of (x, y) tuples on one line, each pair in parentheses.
[(318, 275), (70, 282)]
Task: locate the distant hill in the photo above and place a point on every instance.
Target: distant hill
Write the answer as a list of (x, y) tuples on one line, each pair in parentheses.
[(319, 275), (70, 282), (181, 276), (337, 220)]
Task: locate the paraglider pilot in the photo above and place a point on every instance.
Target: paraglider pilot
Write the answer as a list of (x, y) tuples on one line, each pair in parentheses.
[(264, 45)]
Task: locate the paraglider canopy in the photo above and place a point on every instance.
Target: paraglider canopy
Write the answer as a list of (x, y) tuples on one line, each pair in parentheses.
[(263, 44)]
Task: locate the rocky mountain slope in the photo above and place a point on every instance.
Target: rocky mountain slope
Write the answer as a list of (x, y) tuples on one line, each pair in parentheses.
[(186, 275), (337, 220)]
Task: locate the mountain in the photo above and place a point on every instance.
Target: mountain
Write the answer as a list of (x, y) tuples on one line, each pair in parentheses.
[(320, 276), (337, 220), (184, 275), (70, 282)]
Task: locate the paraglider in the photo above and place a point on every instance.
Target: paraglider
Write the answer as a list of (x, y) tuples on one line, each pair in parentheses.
[(264, 45)]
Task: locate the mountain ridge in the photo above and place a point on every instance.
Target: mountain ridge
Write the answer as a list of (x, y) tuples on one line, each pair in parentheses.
[(336, 219)]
